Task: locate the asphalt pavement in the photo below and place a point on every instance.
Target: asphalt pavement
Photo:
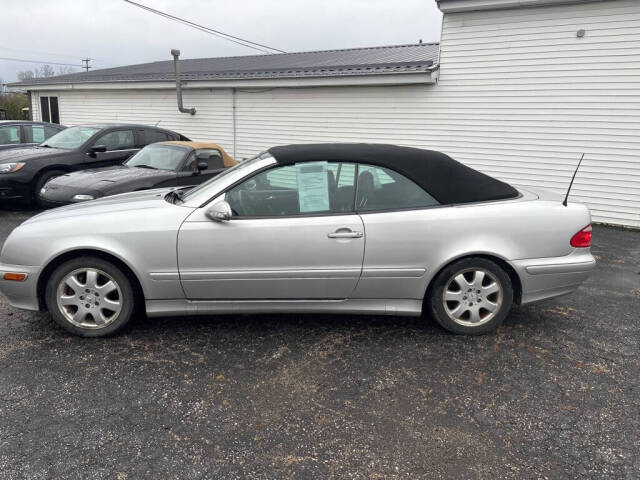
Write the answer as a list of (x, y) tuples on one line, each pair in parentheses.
[(554, 393)]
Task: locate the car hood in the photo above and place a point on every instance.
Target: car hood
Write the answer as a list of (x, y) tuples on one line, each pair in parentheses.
[(116, 203), (104, 179), (24, 154)]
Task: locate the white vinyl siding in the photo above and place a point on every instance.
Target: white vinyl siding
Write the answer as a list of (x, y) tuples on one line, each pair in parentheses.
[(212, 121), (519, 97), (525, 97)]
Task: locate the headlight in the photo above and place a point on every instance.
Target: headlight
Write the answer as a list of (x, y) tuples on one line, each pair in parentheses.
[(11, 167), (82, 198)]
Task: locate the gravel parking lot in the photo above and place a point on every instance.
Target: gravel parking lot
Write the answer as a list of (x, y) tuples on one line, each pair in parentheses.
[(555, 393)]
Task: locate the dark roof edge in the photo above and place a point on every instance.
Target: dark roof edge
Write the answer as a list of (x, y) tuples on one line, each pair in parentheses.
[(68, 79), (456, 6)]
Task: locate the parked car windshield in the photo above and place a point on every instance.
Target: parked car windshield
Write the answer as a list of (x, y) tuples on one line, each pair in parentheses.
[(161, 157), (240, 166), (70, 138)]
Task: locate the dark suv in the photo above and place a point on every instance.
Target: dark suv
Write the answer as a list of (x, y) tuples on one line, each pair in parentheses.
[(23, 171), (23, 133)]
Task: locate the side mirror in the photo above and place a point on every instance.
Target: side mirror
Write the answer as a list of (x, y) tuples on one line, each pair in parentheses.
[(201, 165), (219, 212), (98, 149)]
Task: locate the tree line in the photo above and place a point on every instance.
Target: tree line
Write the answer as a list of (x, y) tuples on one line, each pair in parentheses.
[(12, 104), (43, 72)]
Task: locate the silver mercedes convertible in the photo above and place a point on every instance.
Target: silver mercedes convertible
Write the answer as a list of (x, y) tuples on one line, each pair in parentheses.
[(340, 228)]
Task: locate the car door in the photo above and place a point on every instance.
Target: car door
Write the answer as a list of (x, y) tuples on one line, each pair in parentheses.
[(119, 145), (402, 224), (293, 235)]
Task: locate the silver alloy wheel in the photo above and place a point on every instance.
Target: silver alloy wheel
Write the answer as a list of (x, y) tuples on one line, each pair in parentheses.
[(472, 297), (89, 298)]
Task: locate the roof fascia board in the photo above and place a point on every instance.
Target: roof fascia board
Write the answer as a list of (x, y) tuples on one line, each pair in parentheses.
[(366, 80), (454, 6)]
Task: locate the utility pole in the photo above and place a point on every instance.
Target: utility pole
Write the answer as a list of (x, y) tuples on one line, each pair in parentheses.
[(86, 66)]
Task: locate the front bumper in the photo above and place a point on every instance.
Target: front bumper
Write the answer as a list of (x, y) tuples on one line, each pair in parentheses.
[(544, 278), (56, 196), (11, 189), (22, 294)]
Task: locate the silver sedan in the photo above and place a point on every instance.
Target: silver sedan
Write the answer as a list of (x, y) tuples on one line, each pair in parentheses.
[(340, 228)]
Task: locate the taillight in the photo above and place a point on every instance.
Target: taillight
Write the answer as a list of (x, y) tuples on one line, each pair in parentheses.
[(582, 239)]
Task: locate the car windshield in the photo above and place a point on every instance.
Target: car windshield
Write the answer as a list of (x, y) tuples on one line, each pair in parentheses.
[(158, 156), (70, 138), (238, 167)]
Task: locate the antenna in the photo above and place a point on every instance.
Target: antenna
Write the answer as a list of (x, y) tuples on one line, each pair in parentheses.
[(572, 179), (157, 123)]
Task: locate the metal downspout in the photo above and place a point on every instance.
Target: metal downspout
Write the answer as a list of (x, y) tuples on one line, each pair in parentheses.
[(192, 111)]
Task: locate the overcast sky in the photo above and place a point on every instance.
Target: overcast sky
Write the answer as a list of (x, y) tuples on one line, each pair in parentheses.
[(116, 33)]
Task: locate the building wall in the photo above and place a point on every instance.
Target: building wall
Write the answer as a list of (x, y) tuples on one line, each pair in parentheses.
[(519, 97), (212, 121)]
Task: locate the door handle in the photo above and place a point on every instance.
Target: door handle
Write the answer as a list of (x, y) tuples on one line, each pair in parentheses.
[(345, 234)]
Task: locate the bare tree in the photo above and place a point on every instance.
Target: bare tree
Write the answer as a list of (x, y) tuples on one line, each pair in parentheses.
[(47, 71), (44, 71), (26, 75), (66, 70)]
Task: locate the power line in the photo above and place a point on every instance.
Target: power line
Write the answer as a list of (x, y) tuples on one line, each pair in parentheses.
[(53, 54), (240, 41), (39, 53), (25, 60)]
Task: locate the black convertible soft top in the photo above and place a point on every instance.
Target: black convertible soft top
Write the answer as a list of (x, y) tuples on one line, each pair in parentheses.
[(445, 179)]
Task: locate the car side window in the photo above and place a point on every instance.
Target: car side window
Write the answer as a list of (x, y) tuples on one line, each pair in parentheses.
[(117, 140), (383, 189), (38, 133), (211, 156), (33, 133), (152, 136), (300, 189), (9, 134)]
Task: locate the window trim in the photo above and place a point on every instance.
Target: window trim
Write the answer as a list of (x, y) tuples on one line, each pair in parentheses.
[(49, 118)]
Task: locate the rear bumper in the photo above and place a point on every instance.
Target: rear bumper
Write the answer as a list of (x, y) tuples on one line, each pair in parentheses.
[(544, 278), (22, 294)]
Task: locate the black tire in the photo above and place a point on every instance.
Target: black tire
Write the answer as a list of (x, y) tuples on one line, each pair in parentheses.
[(125, 295), (42, 179), (468, 267)]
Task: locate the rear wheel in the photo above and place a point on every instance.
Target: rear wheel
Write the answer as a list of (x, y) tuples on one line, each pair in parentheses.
[(42, 180), (90, 297), (471, 296)]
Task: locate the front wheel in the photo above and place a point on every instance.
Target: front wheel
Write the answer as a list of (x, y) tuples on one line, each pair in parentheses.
[(471, 296), (90, 297)]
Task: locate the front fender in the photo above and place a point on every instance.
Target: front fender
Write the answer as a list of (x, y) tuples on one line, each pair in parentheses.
[(145, 241)]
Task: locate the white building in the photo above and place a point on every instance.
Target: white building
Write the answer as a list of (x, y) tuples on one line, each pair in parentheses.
[(519, 90)]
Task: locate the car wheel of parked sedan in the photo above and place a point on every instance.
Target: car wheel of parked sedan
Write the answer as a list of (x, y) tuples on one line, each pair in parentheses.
[(471, 296), (42, 180), (90, 297)]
